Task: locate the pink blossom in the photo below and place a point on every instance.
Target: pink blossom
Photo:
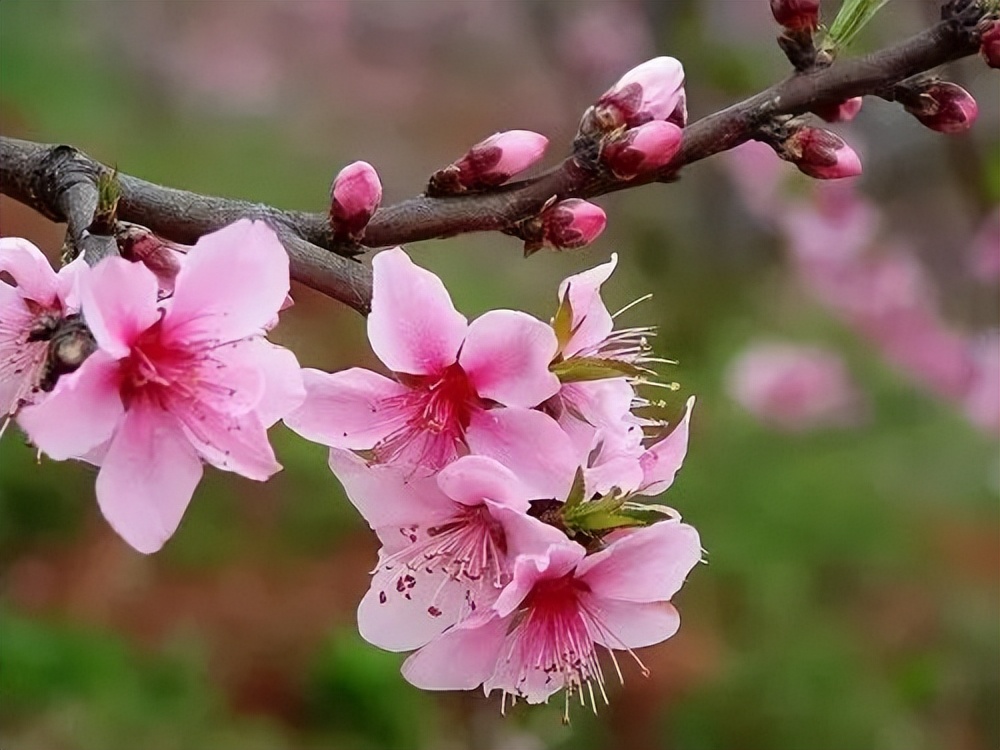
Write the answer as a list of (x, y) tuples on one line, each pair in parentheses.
[(844, 111), (757, 175), (944, 106), (796, 15), (990, 46), (653, 90), (355, 195), (542, 633), (30, 313), (984, 255), (570, 224), (449, 375), (821, 154), (498, 158), (449, 543), (981, 400), (175, 383), (643, 149), (794, 387)]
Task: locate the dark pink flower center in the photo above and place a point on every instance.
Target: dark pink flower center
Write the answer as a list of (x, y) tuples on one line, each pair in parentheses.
[(439, 409)]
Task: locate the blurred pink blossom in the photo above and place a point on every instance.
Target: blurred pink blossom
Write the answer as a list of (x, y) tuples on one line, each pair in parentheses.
[(794, 387), (984, 254)]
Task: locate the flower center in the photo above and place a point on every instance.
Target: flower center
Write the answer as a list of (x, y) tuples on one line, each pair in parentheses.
[(439, 409), (468, 549), (155, 370)]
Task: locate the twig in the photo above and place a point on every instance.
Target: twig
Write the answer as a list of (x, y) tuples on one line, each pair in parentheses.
[(59, 181)]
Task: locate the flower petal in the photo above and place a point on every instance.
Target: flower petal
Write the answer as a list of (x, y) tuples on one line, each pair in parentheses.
[(231, 284), (231, 442), (352, 408), (30, 269), (118, 299), (528, 443), (592, 323), (661, 462), (625, 625), (506, 356), (557, 560), (389, 497), (646, 565), (413, 327), (460, 659), (147, 478), (471, 480), (80, 413), (283, 389)]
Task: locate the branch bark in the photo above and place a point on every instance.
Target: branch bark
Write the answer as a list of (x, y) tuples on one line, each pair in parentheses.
[(60, 181)]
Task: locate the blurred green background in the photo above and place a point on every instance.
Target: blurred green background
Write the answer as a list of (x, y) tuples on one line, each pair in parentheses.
[(851, 597)]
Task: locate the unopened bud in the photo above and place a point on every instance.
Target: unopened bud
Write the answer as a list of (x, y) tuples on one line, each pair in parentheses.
[(490, 163), (354, 197), (653, 90), (566, 225), (942, 106), (990, 45), (843, 112), (796, 15), (820, 154), (642, 150), (139, 245)]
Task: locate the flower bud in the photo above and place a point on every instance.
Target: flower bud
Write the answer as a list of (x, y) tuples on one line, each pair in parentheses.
[(139, 245), (490, 163), (820, 154), (653, 90), (566, 225), (642, 150), (845, 111), (990, 45), (943, 106), (796, 15), (355, 195)]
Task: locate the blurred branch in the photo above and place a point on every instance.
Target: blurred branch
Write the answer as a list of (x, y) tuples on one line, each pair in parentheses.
[(60, 181)]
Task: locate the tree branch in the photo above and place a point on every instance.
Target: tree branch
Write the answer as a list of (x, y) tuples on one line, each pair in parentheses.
[(60, 181)]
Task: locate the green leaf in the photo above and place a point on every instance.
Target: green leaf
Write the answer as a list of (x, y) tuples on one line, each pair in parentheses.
[(605, 521), (562, 323), (580, 369), (854, 15), (576, 492)]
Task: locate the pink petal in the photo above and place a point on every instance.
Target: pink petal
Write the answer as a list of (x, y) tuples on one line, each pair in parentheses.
[(352, 409), (389, 620), (661, 462), (147, 478), (283, 389), (471, 480), (506, 356), (530, 444), (389, 497), (592, 323), (413, 326), (558, 560), (81, 413), (460, 659), (524, 534), (633, 624), (231, 284), (230, 442), (30, 270), (646, 565), (70, 278), (118, 299)]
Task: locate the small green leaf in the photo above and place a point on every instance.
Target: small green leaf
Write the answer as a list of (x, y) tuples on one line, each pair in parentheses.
[(581, 369), (576, 493), (605, 521), (562, 323), (854, 15)]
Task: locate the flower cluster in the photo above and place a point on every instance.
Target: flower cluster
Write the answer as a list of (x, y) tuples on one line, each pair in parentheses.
[(172, 381), (501, 468)]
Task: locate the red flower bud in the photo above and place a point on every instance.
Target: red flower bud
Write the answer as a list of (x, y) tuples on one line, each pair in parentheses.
[(566, 225), (490, 162), (355, 195), (643, 149), (943, 106), (842, 112), (820, 154), (651, 91), (796, 15), (990, 48)]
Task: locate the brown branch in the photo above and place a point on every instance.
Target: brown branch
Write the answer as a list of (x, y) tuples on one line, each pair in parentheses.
[(59, 181)]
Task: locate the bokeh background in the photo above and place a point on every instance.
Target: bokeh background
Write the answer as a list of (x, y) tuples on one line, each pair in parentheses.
[(848, 505)]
